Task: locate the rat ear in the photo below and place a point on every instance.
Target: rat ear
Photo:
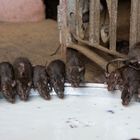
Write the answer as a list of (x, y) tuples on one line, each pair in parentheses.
[(14, 83), (30, 83), (80, 69), (107, 74)]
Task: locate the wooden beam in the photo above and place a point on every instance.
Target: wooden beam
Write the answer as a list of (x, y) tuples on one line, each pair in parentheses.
[(92, 56)]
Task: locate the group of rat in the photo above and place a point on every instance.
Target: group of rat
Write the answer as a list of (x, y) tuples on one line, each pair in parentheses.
[(127, 77), (18, 78)]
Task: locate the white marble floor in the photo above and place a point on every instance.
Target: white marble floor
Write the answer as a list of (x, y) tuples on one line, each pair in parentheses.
[(86, 113)]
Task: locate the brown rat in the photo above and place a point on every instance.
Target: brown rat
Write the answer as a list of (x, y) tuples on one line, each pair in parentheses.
[(23, 75), (41, 81), (56, 72), (75, 68), (128, 80), (7, 81)]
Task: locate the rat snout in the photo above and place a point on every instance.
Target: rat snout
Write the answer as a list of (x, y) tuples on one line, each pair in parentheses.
[(111, 88), (44, 93), (125, 102), (24, 97), (9, 96), (11, 100), (8, 93), (75, 84), (47, 96), (22, 92), (60, 95)]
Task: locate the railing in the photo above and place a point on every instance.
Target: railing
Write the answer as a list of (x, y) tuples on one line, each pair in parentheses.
[(71, 34)]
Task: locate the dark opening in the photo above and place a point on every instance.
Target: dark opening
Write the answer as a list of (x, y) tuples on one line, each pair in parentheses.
[(51, 8)]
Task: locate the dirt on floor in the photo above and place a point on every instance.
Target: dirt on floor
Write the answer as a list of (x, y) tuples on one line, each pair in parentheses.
[(37, 41)]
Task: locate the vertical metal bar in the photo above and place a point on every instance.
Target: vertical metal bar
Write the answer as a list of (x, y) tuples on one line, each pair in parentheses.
[(113, 5), (94, 22), (134, 22)]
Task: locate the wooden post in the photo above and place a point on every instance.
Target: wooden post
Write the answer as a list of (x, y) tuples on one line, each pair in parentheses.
[(112, 6), (135, 22), (62, 26), (94, 27)]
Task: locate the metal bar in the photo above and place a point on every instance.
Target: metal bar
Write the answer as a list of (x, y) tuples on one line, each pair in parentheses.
[(134, 22), (94, 22), (91, 55)]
